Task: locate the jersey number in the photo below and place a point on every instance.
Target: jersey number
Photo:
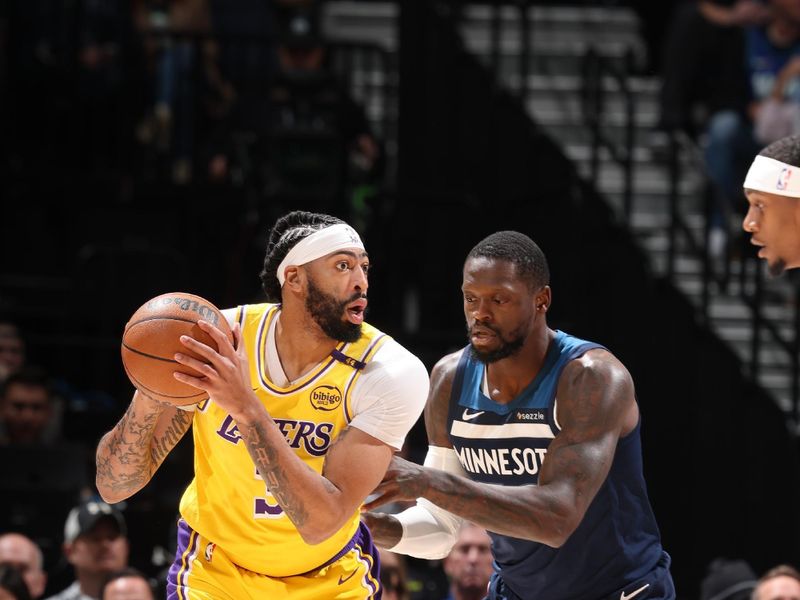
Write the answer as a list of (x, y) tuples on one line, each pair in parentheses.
[(266, 508)]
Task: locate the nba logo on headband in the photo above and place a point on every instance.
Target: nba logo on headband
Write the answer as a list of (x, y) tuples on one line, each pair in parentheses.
[(773, 177), (783, 179)]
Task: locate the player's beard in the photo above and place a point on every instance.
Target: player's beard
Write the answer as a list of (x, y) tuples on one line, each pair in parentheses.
[(508, 347), (776, 268), (330, 314)]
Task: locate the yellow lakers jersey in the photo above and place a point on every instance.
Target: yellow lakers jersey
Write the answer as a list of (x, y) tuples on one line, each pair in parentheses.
[(227, 501)]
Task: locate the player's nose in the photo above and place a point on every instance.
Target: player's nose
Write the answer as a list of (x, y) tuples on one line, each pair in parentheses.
[(750, 223), (360, 281)]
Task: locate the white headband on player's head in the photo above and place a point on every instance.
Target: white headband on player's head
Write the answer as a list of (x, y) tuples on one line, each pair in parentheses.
[(318, 244), (773, 177)]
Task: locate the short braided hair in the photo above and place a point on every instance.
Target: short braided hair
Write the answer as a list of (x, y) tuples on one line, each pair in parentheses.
[(287, 231), (518, 249), (785, 150)]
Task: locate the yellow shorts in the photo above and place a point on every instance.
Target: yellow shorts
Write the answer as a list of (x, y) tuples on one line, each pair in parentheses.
[(202, 571)]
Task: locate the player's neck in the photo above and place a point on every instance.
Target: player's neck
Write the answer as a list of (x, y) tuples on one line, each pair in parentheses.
[(508, 377), (301, 343)]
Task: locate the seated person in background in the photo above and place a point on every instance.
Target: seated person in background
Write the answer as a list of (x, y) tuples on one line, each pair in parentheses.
[(770, 73), (12, 586), (12, 349), (727, 580), (779, 583), (469, 564), (95, 544), (318, 135), (27, 408), (24, 555), (393, 576), (697, 71), (126, 584)]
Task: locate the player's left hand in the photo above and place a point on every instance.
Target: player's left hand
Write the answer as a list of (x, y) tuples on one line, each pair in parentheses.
[(403, 480), (225, 372)]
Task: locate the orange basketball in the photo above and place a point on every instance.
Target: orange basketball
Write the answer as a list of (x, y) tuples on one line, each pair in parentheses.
[(152, 337)]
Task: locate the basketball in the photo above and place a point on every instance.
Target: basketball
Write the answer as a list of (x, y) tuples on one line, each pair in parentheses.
[(152, 337)]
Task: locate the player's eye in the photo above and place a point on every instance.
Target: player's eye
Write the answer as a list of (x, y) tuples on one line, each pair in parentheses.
[(342, 266)]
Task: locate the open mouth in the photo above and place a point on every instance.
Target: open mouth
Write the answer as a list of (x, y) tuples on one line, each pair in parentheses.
[(355, 311), (760, 245)]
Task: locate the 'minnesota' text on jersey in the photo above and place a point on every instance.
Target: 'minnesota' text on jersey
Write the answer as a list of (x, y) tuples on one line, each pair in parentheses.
[(618, 539)]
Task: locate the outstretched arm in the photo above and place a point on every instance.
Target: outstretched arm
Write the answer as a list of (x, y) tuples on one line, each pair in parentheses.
[(434, 528), (595, 407), (129, 455)]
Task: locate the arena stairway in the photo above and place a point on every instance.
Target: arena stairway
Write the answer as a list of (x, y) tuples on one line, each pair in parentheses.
[(560, 37)]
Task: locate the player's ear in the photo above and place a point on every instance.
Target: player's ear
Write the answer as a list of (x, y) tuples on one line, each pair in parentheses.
[(542, 299), (293, 280)]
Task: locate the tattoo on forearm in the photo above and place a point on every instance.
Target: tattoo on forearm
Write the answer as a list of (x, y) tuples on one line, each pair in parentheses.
[(161, 446), (123, 463), (130, 453), (265, 457)]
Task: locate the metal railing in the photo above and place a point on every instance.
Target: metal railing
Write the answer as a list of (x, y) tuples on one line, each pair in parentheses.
[(598, 73)]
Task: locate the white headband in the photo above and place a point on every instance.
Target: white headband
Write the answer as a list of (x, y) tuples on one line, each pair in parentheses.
[(774, 177), (319, 244)]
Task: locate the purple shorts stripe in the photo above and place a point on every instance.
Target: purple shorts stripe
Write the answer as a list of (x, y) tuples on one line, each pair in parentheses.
[(368, 555), (184, 555)]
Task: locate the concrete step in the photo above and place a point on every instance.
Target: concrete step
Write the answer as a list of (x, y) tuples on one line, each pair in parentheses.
[(562, 17), (374, 22)]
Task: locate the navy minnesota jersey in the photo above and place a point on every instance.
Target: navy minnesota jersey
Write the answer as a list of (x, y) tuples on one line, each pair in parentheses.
[(618, 540)]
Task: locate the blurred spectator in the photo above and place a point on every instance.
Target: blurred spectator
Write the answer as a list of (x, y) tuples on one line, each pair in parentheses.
[(235, 111), (469, 564), (24, 555), (12, 349), (179, 47), (393, 576), (727, 580), (27, 409), (12, 586), (730, 142), (126, 584), (95, 544), (698, 73), (779, 583), (319, 138)]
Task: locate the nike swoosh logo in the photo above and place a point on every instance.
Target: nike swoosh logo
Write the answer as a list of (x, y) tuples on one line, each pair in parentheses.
[(467, 416), (342, 580), (624, 596)]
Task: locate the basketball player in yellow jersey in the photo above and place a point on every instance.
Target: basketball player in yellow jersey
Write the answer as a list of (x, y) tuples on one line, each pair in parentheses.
[(305, 411)]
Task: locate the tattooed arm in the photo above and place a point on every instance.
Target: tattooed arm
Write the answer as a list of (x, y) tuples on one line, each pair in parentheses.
[(129, 455), (317, 504), (595, 408)]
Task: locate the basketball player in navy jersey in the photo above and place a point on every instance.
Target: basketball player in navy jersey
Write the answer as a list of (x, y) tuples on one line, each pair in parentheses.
[(534, 435), (772, 187)]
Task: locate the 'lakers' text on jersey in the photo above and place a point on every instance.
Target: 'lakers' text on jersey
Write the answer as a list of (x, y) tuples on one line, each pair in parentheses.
[(228, 502)]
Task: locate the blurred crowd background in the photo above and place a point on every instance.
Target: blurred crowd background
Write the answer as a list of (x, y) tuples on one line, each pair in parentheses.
[(147, 146)]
